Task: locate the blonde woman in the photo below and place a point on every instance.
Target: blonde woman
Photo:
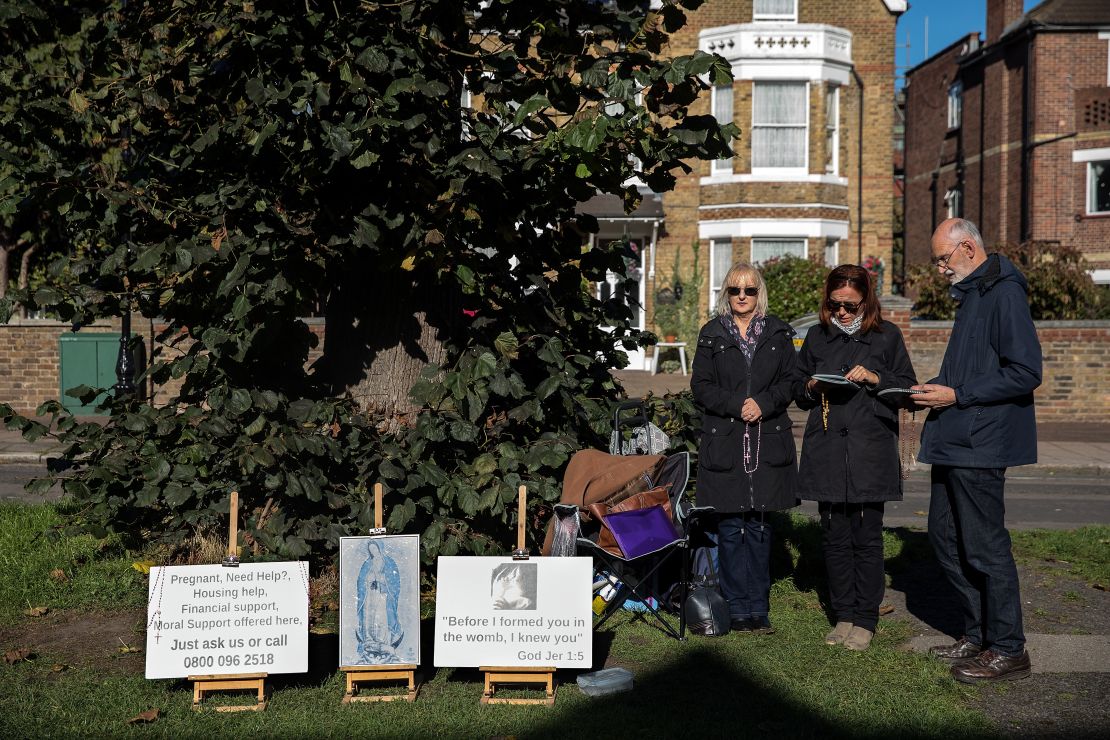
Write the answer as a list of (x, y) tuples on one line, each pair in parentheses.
[(746, 459)]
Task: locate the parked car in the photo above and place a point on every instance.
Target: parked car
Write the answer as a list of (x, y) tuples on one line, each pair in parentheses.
[(802, 325)]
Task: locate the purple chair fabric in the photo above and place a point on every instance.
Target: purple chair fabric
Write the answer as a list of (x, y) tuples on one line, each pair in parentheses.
[(642, 531)]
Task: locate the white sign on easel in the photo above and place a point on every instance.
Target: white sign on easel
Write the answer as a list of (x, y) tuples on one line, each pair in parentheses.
[(210, 619), (501, 611)]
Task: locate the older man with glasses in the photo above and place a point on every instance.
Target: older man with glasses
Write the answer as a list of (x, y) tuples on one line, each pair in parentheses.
[(981, 421)]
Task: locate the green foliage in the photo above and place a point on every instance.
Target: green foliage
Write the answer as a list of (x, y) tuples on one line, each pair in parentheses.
[(234, 165), (1102, 312), (678, 416), (681, 317), (795, 286), (1060, 286), (690, 314)]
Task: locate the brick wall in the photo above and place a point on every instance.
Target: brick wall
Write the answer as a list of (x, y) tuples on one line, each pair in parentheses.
[(29, 361), (1076, 354), (931, 148), (1059, 185), (29, 365), (1023, 117)]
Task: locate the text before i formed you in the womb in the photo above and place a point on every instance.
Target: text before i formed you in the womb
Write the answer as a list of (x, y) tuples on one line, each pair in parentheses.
[(205, 619), (546, 639), (497, 611)]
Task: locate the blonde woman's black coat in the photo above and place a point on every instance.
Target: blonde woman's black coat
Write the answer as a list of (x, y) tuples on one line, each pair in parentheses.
[(722, 379), (854, 460)]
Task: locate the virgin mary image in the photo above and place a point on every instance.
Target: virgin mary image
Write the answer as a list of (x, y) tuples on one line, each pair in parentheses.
[(379, 631)]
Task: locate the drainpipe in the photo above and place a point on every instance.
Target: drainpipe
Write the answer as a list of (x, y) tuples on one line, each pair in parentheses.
[(859, 175), (905, 193), (933, 201), (982, 136), (1026, 158)]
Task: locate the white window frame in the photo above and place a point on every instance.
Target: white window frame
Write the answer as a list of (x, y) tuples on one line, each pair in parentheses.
[(715, 280), (832, 251), (832, 129), (758, 17), (954, 203), (722, 166), (802, 239), (1091, 204), (772, 171), (955, 104)]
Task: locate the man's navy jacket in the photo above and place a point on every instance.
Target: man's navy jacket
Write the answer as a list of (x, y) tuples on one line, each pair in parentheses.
[(993, 362)]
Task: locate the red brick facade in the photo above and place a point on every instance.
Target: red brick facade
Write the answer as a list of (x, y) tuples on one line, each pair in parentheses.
[(1035, 110)]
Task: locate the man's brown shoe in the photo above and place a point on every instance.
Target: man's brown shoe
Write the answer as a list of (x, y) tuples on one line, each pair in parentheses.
[(958, 652), (990, 666)]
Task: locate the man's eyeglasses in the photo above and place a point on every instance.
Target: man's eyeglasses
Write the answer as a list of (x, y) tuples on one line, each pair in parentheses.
[(735, 291), (835, 306), (942, 262)]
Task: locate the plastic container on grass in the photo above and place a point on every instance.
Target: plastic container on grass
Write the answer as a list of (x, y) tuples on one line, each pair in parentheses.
[(606, 681)]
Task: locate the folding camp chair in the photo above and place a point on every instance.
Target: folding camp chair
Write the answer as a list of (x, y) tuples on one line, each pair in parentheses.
[(648, 542)]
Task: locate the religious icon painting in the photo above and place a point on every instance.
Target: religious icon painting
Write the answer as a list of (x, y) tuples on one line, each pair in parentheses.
[(379, 600)]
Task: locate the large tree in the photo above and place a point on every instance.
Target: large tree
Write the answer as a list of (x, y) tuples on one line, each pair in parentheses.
[(413, 168)]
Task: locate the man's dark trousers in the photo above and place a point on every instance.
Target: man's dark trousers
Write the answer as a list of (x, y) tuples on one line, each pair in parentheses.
[(967, 526)]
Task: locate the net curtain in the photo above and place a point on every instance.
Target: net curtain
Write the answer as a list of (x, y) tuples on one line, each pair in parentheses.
[(779, 113)]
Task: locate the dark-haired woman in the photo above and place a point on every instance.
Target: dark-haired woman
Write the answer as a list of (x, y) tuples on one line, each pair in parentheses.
[(850, 460), (747, 461)]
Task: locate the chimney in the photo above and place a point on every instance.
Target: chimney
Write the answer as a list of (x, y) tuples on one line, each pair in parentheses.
[(1000, 14)]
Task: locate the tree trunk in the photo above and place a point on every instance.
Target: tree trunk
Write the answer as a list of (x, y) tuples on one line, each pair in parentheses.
[(4, 250), (382, 331), (7, 246), (25, 273)]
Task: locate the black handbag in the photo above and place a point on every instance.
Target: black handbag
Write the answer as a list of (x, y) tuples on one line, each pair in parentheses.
[(706, 610)]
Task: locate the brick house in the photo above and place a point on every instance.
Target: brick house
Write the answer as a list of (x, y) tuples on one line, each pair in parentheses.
[(1013, 131), (796, 183)]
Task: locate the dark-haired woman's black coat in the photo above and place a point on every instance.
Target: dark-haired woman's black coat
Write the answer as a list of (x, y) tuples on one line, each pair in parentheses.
[(856, 459), (721, 380)]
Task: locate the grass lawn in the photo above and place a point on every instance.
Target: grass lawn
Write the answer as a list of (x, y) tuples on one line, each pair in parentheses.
[(788, 684), (1085, 552), (39, 567)]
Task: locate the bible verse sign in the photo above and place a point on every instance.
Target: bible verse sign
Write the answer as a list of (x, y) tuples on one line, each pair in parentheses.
[(505, 612), (208, 619)]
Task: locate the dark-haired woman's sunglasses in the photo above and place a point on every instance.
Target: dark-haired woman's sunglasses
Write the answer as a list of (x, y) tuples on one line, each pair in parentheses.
[(749, 291), (835, 306)]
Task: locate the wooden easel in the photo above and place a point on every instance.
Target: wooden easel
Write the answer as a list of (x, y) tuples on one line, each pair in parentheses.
[(379, 673), (231, 681), (542, 676)]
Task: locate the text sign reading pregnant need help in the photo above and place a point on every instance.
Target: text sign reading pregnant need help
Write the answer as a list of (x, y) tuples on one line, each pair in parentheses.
[(505, 612), (208, 619)]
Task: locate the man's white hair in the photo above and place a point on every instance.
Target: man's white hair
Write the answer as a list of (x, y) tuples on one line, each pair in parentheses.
[(962, 229)]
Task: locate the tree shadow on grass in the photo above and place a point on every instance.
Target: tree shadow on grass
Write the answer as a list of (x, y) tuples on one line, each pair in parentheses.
[(796, 554), (930, 597), (323, 662), (695, 695)]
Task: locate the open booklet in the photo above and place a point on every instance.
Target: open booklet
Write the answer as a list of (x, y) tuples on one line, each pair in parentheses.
[(834, 379), (898, 392)]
